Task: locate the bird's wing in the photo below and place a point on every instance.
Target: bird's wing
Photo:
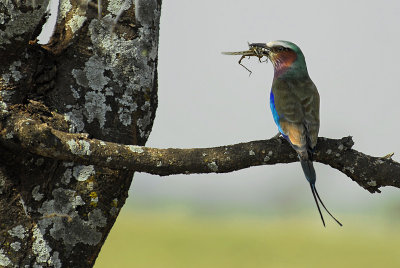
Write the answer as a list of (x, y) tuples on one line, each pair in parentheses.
[(297, 106), (290, 116), (309, 99)]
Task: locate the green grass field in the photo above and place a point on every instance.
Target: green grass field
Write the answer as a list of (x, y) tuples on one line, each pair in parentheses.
[(178, 239)]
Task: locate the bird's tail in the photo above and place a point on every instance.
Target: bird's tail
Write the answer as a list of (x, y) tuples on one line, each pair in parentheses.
[(308, 169), (309, 172)]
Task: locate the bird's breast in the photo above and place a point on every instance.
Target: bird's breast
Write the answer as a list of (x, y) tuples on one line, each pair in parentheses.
[(283, 62)]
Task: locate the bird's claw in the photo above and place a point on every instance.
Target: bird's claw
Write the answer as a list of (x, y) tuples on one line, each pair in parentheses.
[(277, 135)]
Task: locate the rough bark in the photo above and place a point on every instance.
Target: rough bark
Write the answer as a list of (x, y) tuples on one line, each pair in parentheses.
[(95, 76)]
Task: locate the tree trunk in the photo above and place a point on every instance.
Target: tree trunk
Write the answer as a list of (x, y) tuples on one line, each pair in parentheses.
[(97, 75)]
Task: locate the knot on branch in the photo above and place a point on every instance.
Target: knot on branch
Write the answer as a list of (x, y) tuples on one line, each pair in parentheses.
[(347, 142)]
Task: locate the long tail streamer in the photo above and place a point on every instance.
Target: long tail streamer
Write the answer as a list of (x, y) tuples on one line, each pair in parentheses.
[(313, 189), (309, 172)]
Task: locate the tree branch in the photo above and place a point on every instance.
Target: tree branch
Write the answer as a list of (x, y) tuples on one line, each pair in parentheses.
[(18, 130)]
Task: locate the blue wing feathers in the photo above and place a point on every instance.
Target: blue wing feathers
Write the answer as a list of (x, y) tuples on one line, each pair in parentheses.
[(275, 113)]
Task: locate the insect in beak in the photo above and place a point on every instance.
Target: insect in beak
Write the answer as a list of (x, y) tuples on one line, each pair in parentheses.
[(255, 50)]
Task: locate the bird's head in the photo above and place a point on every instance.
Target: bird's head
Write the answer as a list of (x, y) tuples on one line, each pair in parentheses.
[(287, 58)]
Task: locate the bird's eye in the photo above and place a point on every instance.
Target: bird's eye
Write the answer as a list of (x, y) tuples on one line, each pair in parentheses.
[(280, 48)]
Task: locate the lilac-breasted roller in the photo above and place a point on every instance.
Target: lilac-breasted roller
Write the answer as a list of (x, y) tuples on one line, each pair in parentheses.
[(294, 102)]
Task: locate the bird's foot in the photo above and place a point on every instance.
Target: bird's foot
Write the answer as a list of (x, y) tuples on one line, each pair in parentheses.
[(277, 135)]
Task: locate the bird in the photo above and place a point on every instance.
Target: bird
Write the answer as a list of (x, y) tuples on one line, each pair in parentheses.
[(294, 102)]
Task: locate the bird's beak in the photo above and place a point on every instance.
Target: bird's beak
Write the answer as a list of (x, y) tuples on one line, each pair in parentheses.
[(243, 53)]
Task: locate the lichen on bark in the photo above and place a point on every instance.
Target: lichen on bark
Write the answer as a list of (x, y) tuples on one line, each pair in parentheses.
[(94, 77)]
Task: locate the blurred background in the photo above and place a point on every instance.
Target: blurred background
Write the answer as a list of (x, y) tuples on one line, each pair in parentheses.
[(266, 216)]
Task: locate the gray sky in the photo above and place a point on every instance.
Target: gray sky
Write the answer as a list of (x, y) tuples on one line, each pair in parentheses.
[(207, 99)]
